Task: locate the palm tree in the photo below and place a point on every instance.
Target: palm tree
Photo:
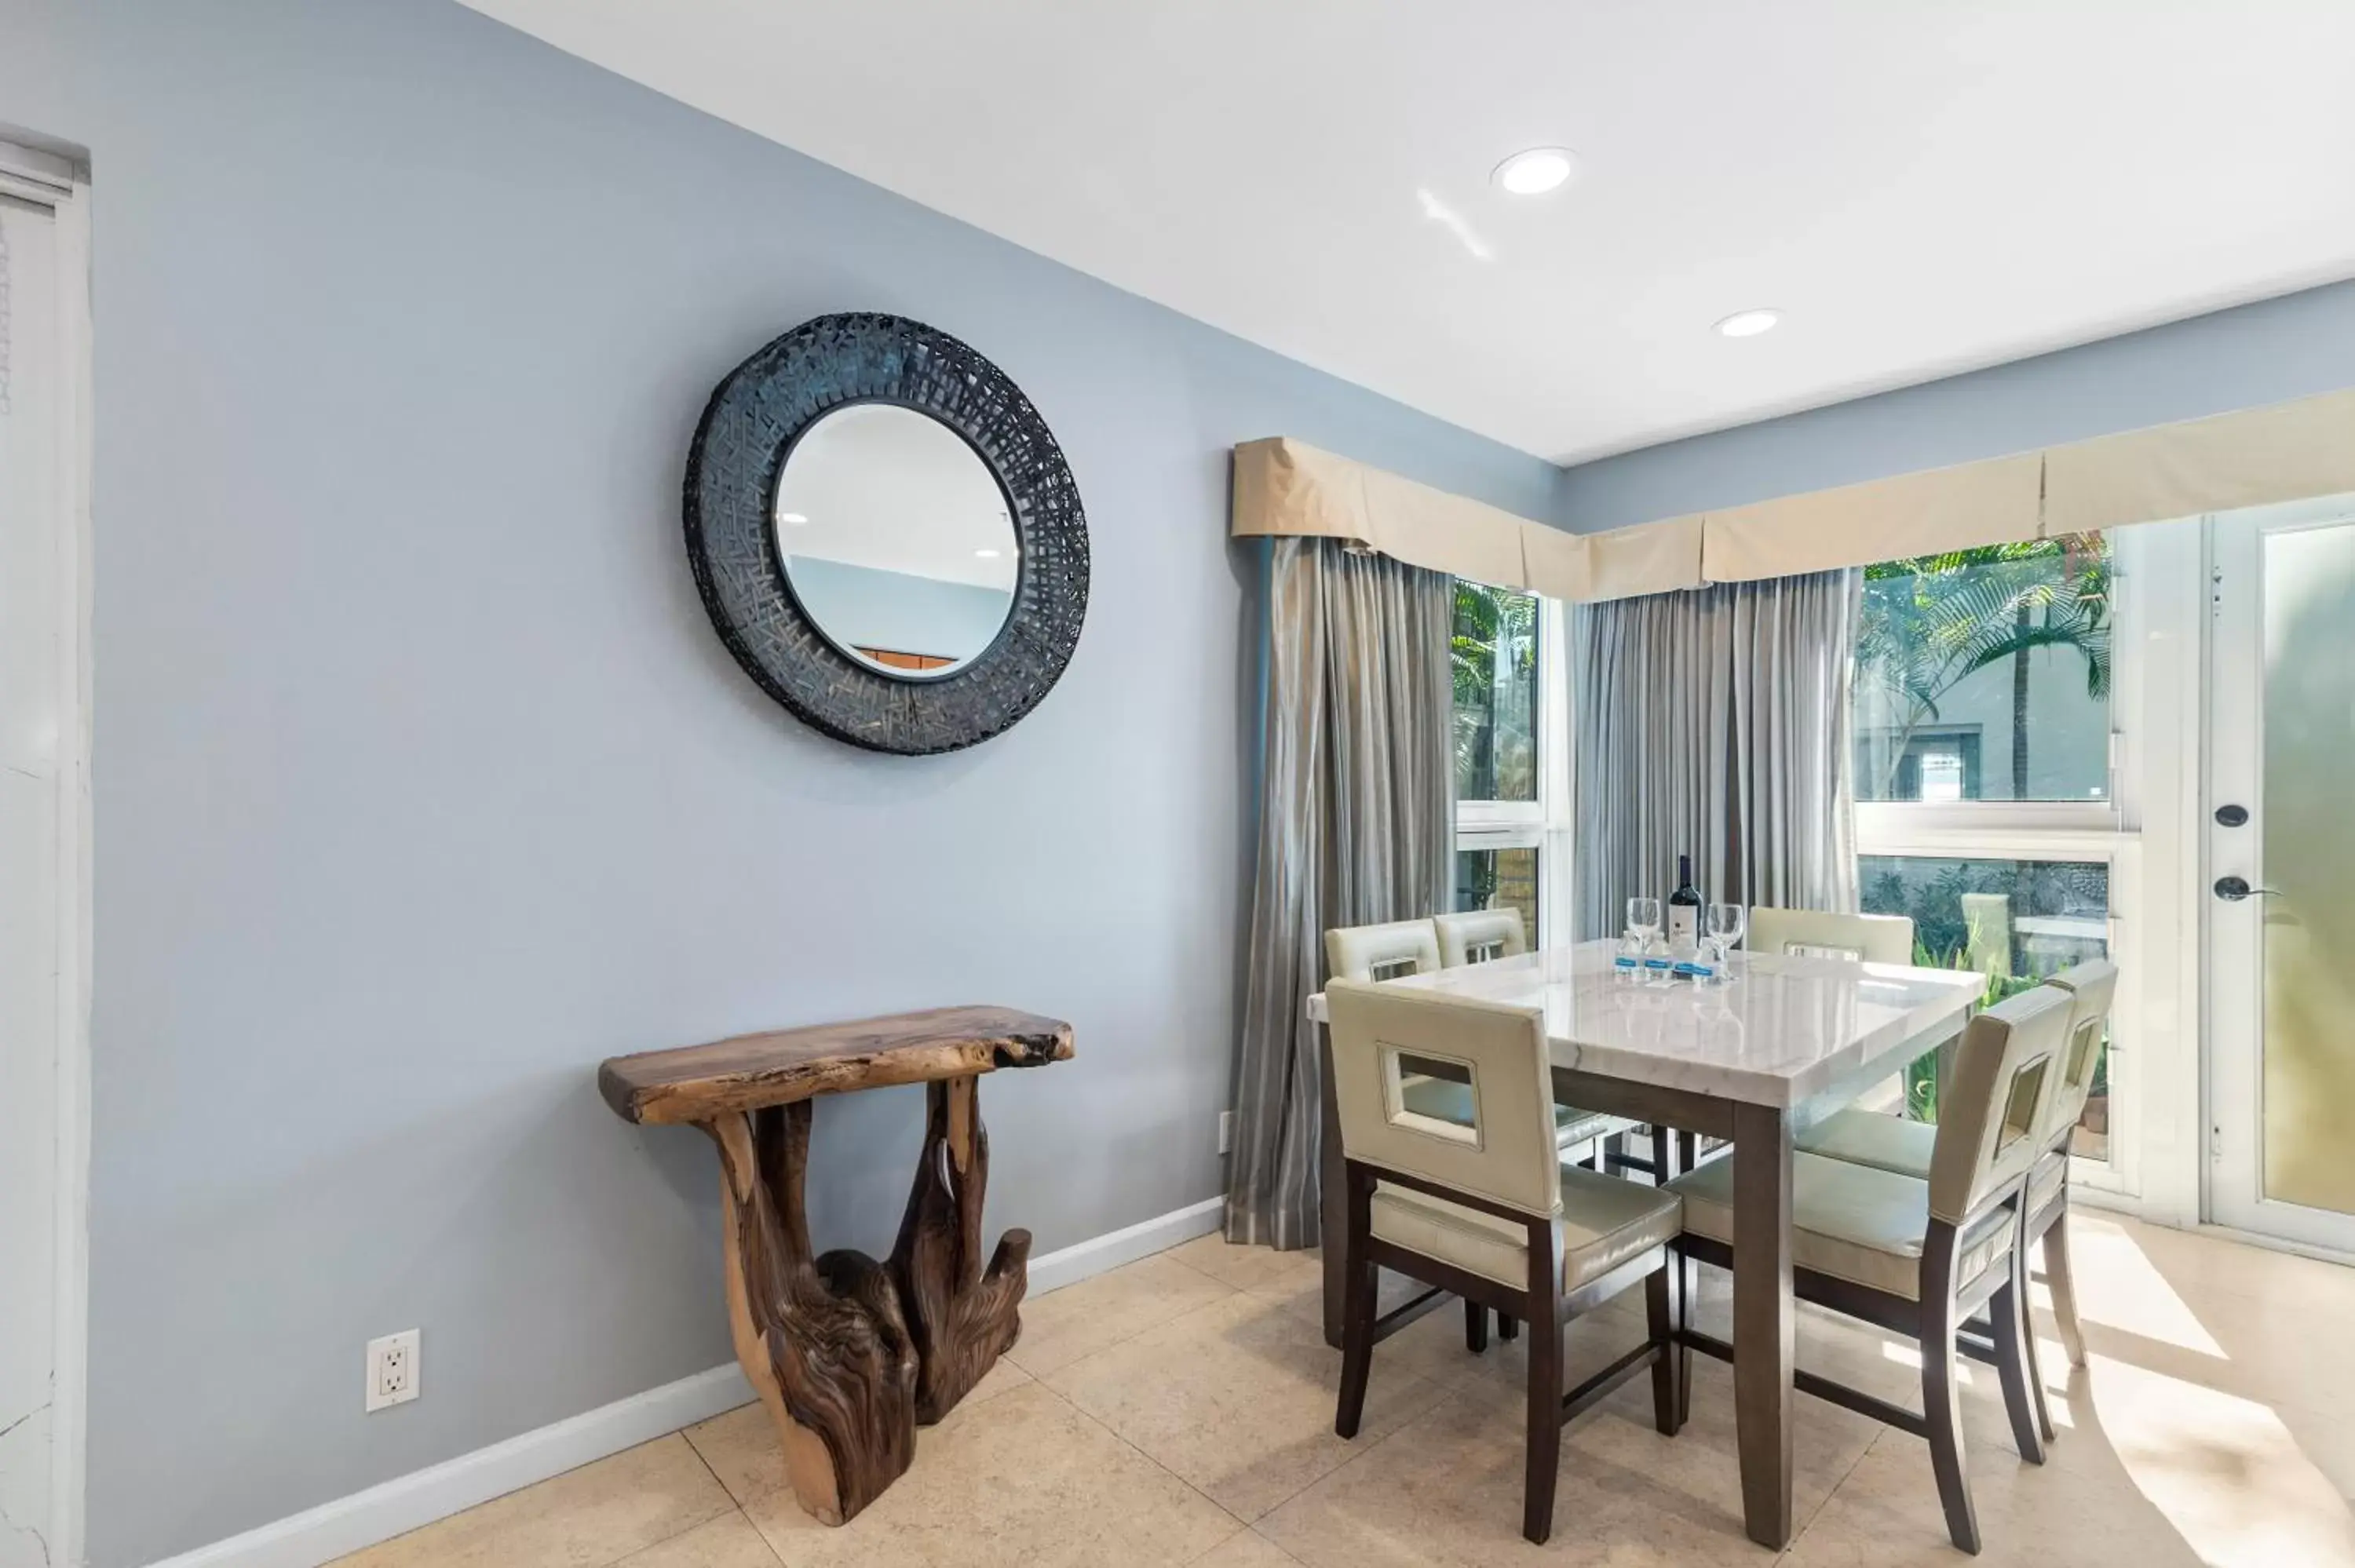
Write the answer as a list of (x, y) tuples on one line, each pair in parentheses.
[(1931, 621), (1494, 640)]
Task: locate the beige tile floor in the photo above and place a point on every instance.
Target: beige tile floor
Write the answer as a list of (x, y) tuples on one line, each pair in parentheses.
[(1180, 1411)]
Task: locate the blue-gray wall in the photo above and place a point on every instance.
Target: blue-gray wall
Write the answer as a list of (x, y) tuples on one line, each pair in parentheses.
[(866, 607), (423, 783), (2294, 346)]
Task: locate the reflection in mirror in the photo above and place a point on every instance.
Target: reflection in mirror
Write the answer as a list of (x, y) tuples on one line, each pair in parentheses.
[(896, 539)]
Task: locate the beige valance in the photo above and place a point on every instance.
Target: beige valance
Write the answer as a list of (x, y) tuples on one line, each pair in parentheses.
[(2287, 452), (1284, 487), (1988, 502), (1656, 557)]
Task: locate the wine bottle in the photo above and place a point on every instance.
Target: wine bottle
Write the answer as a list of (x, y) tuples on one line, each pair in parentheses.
[(1684, 908)]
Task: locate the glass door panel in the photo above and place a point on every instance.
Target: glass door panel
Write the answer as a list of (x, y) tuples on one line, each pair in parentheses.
[(2281, 915), (2307, 855)]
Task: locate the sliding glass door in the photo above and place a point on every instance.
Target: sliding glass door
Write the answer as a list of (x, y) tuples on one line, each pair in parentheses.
[(2280, 873)]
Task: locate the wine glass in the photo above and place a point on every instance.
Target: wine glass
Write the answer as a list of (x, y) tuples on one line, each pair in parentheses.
[(1725, 922), (1644, 916), (1636, 942), (1643, 933)]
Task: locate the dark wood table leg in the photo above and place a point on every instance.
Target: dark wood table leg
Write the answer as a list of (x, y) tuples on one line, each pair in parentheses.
[(1763, 1323), (821, 1340), (850, 1355), (961, 1315), (1333, 1178)]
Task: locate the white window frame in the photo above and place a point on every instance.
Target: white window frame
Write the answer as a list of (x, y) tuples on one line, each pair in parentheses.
[(1542, 824), (45, 178), (2106, 832)]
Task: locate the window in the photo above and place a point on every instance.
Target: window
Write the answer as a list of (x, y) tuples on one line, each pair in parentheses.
[(1982, 733), (1984, 675), (1500, 652), (1499, 879), (1493, 656), (2019, 922)]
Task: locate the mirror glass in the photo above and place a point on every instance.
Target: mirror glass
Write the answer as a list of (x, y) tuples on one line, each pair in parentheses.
[(896, 539)]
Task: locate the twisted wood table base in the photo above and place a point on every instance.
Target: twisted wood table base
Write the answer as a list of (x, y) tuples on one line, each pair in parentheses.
[(850, 1355)]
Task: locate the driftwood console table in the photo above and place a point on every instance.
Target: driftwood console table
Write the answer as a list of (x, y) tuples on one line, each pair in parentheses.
[(851, 1355)]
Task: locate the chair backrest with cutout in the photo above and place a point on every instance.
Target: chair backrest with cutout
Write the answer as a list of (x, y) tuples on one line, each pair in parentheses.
[(1995, 1101), (1381, 952), (2091, 986), (1868, 939), (1476, 936), (1506, 1153)]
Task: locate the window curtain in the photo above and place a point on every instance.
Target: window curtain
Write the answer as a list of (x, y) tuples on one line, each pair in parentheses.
[(1714, 722), (1354, 828)]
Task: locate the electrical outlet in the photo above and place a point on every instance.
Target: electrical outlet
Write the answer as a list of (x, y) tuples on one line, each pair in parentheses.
[(392, 1370), (1226, 1132)]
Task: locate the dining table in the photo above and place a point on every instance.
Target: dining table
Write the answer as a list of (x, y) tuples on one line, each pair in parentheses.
[(1754, 1058)]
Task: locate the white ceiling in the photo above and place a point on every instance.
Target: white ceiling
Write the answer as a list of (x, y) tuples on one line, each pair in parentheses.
[(1922, 185)]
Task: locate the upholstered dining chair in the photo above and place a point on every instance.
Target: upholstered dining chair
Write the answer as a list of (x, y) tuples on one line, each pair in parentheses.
[(1368, 953), (1868, 938), (2092, 987), (1906, 1147), (1487, 1210), (1433, 1088), (1919, 1258), (1381, 952), (1476, 936)]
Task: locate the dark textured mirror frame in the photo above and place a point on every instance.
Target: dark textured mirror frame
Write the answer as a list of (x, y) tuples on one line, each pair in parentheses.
[(747, 431)]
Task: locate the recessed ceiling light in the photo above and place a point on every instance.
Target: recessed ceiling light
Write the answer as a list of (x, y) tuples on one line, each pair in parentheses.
[(1536, 171), (793, 518), (1749, 323), (986, 554)]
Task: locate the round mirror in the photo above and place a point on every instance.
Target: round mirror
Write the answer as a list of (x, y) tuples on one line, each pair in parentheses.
[(897, 540)]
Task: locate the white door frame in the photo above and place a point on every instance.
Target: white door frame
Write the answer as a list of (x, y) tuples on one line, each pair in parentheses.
[(2234, 774), (46, 179)]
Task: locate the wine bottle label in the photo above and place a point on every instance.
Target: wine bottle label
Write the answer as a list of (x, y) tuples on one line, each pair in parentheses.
[(1684, 924)]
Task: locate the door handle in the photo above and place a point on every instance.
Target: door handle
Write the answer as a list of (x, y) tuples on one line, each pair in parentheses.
[(2232, 889)]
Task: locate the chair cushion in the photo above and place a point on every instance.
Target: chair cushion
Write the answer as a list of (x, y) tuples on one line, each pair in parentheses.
[(1851, 1221), (1866, 1138), (1446, 1100), (1604, 1223)]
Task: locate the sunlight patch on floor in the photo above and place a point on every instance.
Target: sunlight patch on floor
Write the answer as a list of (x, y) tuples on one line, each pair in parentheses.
[(2225, 1471), (2119, 1287)]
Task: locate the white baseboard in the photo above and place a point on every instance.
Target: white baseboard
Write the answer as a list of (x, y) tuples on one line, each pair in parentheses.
[(346, 1524), (326, 1532), (1070, 1264)]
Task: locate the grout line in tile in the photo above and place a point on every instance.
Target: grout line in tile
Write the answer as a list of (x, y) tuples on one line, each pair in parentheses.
[(1241, 1524), (1881, 1430), (1170, 1251), (1270, 1541), (1014, 1353), (699, 1459)]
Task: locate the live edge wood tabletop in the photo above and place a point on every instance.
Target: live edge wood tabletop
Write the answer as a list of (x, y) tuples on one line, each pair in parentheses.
[(848, 1354)]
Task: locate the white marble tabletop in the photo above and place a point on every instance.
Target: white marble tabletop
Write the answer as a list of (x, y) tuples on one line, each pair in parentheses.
[(1781, 1030)]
